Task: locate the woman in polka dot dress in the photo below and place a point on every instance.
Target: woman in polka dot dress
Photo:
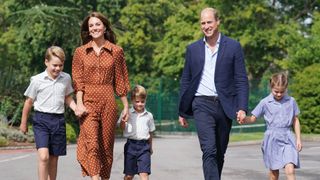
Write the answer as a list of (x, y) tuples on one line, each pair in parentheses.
[(99, 71)]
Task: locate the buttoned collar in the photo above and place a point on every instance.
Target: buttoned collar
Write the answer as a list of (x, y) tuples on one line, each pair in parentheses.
[(89, 46), (46, 75), (132, 110), (270, 98), (218, 40)]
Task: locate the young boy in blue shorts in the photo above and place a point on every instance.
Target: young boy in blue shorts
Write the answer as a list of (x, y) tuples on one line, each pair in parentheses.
[(138, 131), (48, 92)]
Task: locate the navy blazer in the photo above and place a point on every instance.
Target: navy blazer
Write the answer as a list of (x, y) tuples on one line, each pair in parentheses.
[(230, 77)]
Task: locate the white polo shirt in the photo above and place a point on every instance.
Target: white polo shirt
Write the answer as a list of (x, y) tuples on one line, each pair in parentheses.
[(48, 94), (139, 125)]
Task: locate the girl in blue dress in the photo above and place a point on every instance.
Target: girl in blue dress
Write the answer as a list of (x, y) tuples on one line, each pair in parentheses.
[(280, 147)]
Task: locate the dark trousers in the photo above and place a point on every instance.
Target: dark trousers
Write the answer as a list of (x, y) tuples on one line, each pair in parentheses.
[(213, 128)]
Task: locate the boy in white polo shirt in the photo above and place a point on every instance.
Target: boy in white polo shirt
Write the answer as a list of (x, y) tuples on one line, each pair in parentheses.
[(138, 131), (48, 92)]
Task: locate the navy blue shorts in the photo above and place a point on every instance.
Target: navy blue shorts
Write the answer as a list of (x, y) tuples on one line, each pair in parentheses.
[(137, 157), (50, 132)]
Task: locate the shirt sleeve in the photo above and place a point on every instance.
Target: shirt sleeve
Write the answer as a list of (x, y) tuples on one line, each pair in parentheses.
[(296, 109), (258, 110), (31, 91), (119, 120), (151, 124), (121, 78), (78, 71), (69, 88)]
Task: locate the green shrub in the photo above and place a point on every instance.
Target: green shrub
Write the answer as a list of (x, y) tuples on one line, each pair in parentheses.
[(7, 105), (3, 141), (16, 135), (3, 131), (306, 90), (10, 109), (71, 133), (30, 134), (12, 134)]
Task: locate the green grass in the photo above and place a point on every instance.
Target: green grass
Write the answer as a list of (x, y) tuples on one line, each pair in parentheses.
[(236, 137), (310, 137)]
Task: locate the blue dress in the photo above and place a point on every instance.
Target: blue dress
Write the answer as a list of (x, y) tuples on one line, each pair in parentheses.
[(279, 143)]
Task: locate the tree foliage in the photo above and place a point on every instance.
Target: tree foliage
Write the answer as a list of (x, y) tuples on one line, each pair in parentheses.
[(304, 48), (275, 35), (306, 91), (141, 23), (180, 29)]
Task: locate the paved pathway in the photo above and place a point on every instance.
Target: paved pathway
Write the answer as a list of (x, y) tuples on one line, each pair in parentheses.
[(174, 158)]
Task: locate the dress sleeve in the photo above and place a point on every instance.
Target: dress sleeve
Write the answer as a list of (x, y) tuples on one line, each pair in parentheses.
[(121, 79), (69, 89), (296, 109), (258, 110), (78, 71)]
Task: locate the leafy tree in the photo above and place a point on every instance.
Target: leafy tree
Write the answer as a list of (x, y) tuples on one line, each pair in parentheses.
[(142, 28), (29, 27), (252, 23), (304, 48), (181, 29), (112, 9), (297, 10), (306, 91), (47, 26), (275, 34), (29, 31)]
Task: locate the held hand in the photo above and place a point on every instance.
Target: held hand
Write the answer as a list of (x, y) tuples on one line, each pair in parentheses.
[(241, 115), (80, 110), (125, 115), (183, 122)]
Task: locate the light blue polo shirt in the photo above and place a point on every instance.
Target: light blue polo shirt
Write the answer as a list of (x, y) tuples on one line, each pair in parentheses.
[(207, 85)]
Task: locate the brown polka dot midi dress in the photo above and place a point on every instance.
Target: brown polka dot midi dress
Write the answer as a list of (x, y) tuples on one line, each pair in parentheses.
[(99, 77)]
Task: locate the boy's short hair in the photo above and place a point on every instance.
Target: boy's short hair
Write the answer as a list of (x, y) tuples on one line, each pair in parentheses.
[(55, 51), (138, 91)]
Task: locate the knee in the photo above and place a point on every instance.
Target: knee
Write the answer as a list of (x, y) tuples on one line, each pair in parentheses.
[(144, 176), (128, 177), (274, 174), (209, 151), (44, 158), (290, 171)]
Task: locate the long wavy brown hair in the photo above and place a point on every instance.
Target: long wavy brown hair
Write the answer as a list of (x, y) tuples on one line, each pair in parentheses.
[(108, 34)]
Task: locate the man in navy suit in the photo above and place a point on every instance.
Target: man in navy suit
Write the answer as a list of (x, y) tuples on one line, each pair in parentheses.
[(214, 90)]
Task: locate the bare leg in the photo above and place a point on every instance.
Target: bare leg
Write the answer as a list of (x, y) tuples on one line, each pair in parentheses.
[(53, 166), (128, 177), (95, 177), (274, 174), (290, 172), (144, 176), (43, 163)]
